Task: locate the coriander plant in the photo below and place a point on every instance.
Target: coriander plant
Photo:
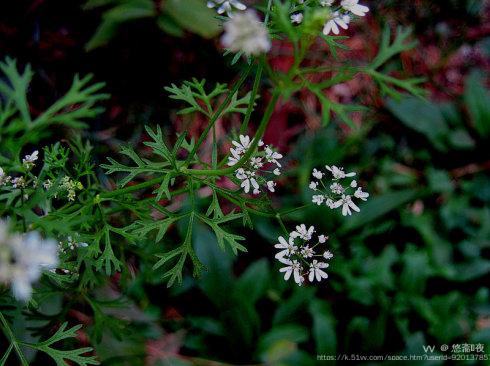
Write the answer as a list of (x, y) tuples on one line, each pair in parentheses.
[(68, 225)]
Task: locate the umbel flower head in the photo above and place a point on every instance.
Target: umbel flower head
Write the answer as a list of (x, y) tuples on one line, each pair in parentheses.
[(23, 258), (246, 33), (262, 163), (227, 6), (303, 254), (336, 193)]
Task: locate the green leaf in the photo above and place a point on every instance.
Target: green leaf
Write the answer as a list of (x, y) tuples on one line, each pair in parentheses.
[(387, 50), (193, 15), (377, 207), (323, 330), (222, 235), (423, 117), (477, 99), (60, 356)]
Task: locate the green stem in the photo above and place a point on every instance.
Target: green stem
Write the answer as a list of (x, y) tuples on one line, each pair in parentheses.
[(130, 189), (250, 107), (218, 113), (10, 335)]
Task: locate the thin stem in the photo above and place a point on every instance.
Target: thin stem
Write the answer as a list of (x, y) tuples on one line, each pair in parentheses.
[(10, 335), (218, 113), (130, 189), (250, 107)]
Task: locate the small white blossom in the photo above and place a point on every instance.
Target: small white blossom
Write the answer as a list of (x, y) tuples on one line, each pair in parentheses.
[(242, 145), (328, 255), (360, 194), (316, 271), (318, 199), (302, 232), (336, 20), (317, 174), (226, 6), (19, 182), (338, 173), (307, 252), (4, 178), (322, 239), (47, 184), (353, 184), (29, 160), (336, 188), (326, 2), (277, 171), (272, 156), (270, 185), (245, 32), (347, 204), (313, 185), (354, 7), (288, 248), (23, 258), (297, 18), (295, 268)]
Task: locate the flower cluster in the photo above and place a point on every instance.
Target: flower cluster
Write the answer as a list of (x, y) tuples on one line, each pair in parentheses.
[(226, 6), (67, 186), (23, 258), (340, 15), (336, 194), (261, 162), (246, 33), (301, 255)]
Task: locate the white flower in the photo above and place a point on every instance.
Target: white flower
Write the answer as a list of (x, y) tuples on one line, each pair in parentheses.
[(256, 162), (360, 194), (23, 258), (245, 32), (248, 181), (326, 2), (272, 156), (4, 178), (313, 185), (293, 267), (226, 6), (329, 202), (29, 160), (322, 239), (336, 188), (243, 145), (18, 182), (253, 171), (316, 271), (317, 174), (354, 7), (302, 232), (288, 248), (270, 185), (235, 156), (336, 20), (297, 18), (47, 184), (307, 252), (338, 172), (328, 255), (347, 204), (318, 199), (353, 184)]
